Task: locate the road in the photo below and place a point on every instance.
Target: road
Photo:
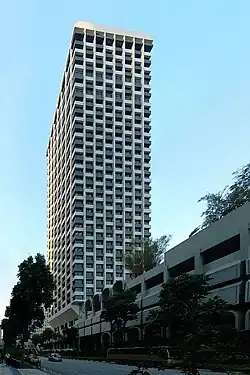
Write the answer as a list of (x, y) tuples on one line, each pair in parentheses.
[(75, 367)]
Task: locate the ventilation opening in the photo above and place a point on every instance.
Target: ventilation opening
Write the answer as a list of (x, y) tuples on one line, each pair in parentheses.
[(183, 267), (153, 281), (136, 289), (230, 246)]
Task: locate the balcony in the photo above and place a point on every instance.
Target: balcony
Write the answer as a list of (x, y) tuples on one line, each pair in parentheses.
[(128, 60), (109, 108), (77, 43), (109, 56), (77, 158), (147, 62), (118, 66), (77, 58), (147, 113), (147, 143), (147, 127)]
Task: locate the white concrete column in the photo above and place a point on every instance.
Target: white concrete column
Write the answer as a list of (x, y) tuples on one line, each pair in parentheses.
[(198, 265), (245, 242), (165, 274)]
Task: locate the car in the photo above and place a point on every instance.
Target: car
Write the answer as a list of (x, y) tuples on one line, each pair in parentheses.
[(55, 357)]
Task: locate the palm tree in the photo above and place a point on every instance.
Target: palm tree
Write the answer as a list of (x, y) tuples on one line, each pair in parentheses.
[(139, 259)]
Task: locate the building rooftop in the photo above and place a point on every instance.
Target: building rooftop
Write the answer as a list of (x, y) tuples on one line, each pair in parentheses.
[(114, 30)]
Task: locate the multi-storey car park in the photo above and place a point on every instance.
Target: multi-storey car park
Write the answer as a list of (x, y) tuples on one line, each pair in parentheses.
[(98, 163), (221, 251)]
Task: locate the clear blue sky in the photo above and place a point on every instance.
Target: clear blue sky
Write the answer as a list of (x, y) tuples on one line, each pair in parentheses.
[(200, 99)]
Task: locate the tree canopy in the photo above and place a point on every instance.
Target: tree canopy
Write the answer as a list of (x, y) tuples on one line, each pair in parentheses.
[(71, 336), (30, 296), (231, 197), (120, 308), (193, 319), (48, 334), (37, 338), (9, 331), (142, 258)]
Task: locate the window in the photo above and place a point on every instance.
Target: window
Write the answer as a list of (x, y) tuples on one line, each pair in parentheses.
[(78, 289), (78, 282), (89, 291), (78, 273), (78, 257), (99, 283)]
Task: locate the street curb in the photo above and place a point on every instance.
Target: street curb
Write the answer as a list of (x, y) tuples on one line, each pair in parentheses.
[(21, 371), (48, 371)]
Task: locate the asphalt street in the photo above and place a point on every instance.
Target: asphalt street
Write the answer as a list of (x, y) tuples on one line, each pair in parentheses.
[(75, 367)]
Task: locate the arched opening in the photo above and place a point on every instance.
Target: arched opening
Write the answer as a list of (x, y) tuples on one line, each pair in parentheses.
[(152, 334), (106, 340), (133, 336), (228, 319), (105, 294), (232, 319), (82, 311), (117, 287), (88, 307), (247, 320), (96, 303), (118, 339)]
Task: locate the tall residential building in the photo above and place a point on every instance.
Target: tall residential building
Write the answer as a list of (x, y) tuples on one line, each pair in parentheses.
[(98, 160)]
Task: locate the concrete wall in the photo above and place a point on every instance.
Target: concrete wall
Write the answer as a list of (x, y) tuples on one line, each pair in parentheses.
[(228, 273)]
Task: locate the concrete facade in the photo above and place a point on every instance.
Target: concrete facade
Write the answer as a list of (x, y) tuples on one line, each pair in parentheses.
[(98, 157), (221, 251)]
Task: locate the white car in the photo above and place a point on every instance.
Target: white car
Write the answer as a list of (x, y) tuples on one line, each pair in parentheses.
[(55, 357)]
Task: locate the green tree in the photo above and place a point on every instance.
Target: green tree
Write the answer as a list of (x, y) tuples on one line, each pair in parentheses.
[(37, 339), (216, 207), (139, 259), (58, 336), (9, 331), (231, 197), (47, 335), (118, 309), (32, 293), (71, 336), (192, 318)]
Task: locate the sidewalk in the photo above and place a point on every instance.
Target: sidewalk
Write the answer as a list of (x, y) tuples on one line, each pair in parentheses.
[(4, 370), (29, 371)]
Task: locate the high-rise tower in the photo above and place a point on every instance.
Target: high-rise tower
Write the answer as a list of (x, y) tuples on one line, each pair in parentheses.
[(98, 160)]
